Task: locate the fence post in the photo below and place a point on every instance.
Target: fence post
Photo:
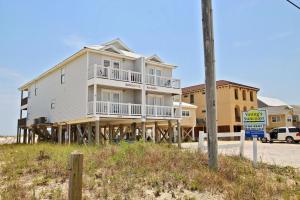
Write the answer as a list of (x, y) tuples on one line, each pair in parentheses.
[(75, 177), (254, 151), (242, 142), (201, 141)]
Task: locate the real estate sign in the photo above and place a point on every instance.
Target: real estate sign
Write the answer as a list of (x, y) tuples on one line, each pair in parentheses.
[(254, 122)]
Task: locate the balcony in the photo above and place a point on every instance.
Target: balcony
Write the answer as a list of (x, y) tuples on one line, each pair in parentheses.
[(24, 101), (162, 81), (110, 108), (99, 71), (128, 109)]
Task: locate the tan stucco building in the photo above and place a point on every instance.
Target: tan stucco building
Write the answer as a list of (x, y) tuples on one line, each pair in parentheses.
[(232, 100)]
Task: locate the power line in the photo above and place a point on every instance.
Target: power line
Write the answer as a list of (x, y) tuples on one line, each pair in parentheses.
[(293, 4)]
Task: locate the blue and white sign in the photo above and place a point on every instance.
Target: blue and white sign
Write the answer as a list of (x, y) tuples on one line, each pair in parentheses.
[(254, 122)]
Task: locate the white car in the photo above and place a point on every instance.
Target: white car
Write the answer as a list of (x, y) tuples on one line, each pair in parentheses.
[(288, 134)]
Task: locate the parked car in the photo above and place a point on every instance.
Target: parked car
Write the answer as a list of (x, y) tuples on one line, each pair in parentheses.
[(288, 134)]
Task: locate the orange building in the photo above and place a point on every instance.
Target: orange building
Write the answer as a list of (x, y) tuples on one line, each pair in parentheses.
[(232, 100)]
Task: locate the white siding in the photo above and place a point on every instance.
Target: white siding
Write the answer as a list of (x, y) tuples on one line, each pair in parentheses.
[(70, 97)]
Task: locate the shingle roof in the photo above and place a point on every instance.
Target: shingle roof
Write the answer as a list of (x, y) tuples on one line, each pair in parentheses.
[(218, 83)]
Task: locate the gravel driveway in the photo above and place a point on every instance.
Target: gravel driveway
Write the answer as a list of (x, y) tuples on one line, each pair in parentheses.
[(282, 154)]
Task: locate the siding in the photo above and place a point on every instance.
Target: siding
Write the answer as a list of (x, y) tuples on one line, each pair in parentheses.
[(70, 97)]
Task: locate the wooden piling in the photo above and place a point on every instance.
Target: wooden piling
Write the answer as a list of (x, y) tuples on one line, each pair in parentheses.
[(97, 132), (75, 177)]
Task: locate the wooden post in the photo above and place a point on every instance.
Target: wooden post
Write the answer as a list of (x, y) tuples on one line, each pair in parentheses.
[(69, 133), (24, 135), (132, 133), (75, 177), (210, 81), (144, 131), (60, 134), (254, 151), (242, 141), (121, 127), (179, 134), (29, 137), (33, 137), (90, 139), (156, 134), (97, 132), (110, 133), (170, 131)]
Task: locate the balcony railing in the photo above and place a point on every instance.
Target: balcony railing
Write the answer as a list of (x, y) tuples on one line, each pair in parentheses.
[(100, 71), (110, 108), (159, 111), (114, 74), (128, 109), (162, 81)]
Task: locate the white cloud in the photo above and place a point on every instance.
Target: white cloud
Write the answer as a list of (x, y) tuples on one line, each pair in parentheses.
[(9, 74), (74, 41)]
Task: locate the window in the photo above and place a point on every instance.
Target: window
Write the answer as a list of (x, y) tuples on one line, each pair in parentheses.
[(289, 119), (203, 111), (106, 63), (282, 130), (203, 91), (237, 113), (62, 76), (251, 96), (275, 119), (192, 98), (245, 108), (294, 130), (185, 113), (244, 95), (116, 65), (236, 94), (52, 105), (185, 96)]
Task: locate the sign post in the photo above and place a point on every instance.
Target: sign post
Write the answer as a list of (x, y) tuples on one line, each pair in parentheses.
[(254, 122)]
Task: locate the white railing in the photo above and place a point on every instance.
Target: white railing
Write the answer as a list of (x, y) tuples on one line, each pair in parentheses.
[(162, 81), (110, 108), (114, 74), (159, 111), (202, 147)]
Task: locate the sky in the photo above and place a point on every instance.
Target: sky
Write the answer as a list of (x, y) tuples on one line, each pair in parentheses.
[(256, 42)]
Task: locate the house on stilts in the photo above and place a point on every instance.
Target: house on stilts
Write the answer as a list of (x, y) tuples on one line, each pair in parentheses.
[(102, 93)]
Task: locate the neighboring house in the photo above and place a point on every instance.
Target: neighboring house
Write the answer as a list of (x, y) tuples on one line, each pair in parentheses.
[(296, 115), (232, 100), (280, 114), (106, 86)]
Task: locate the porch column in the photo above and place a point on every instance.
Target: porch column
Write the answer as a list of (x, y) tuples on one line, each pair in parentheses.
[(156, 134), (69, 133)]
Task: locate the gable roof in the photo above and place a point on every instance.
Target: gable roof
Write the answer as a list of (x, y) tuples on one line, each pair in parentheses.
[(218, 83), (272, 101), (112, 49), (118, 44), (155, 58)]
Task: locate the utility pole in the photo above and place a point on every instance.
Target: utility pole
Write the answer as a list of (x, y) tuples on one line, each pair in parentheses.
[(210, 81)]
